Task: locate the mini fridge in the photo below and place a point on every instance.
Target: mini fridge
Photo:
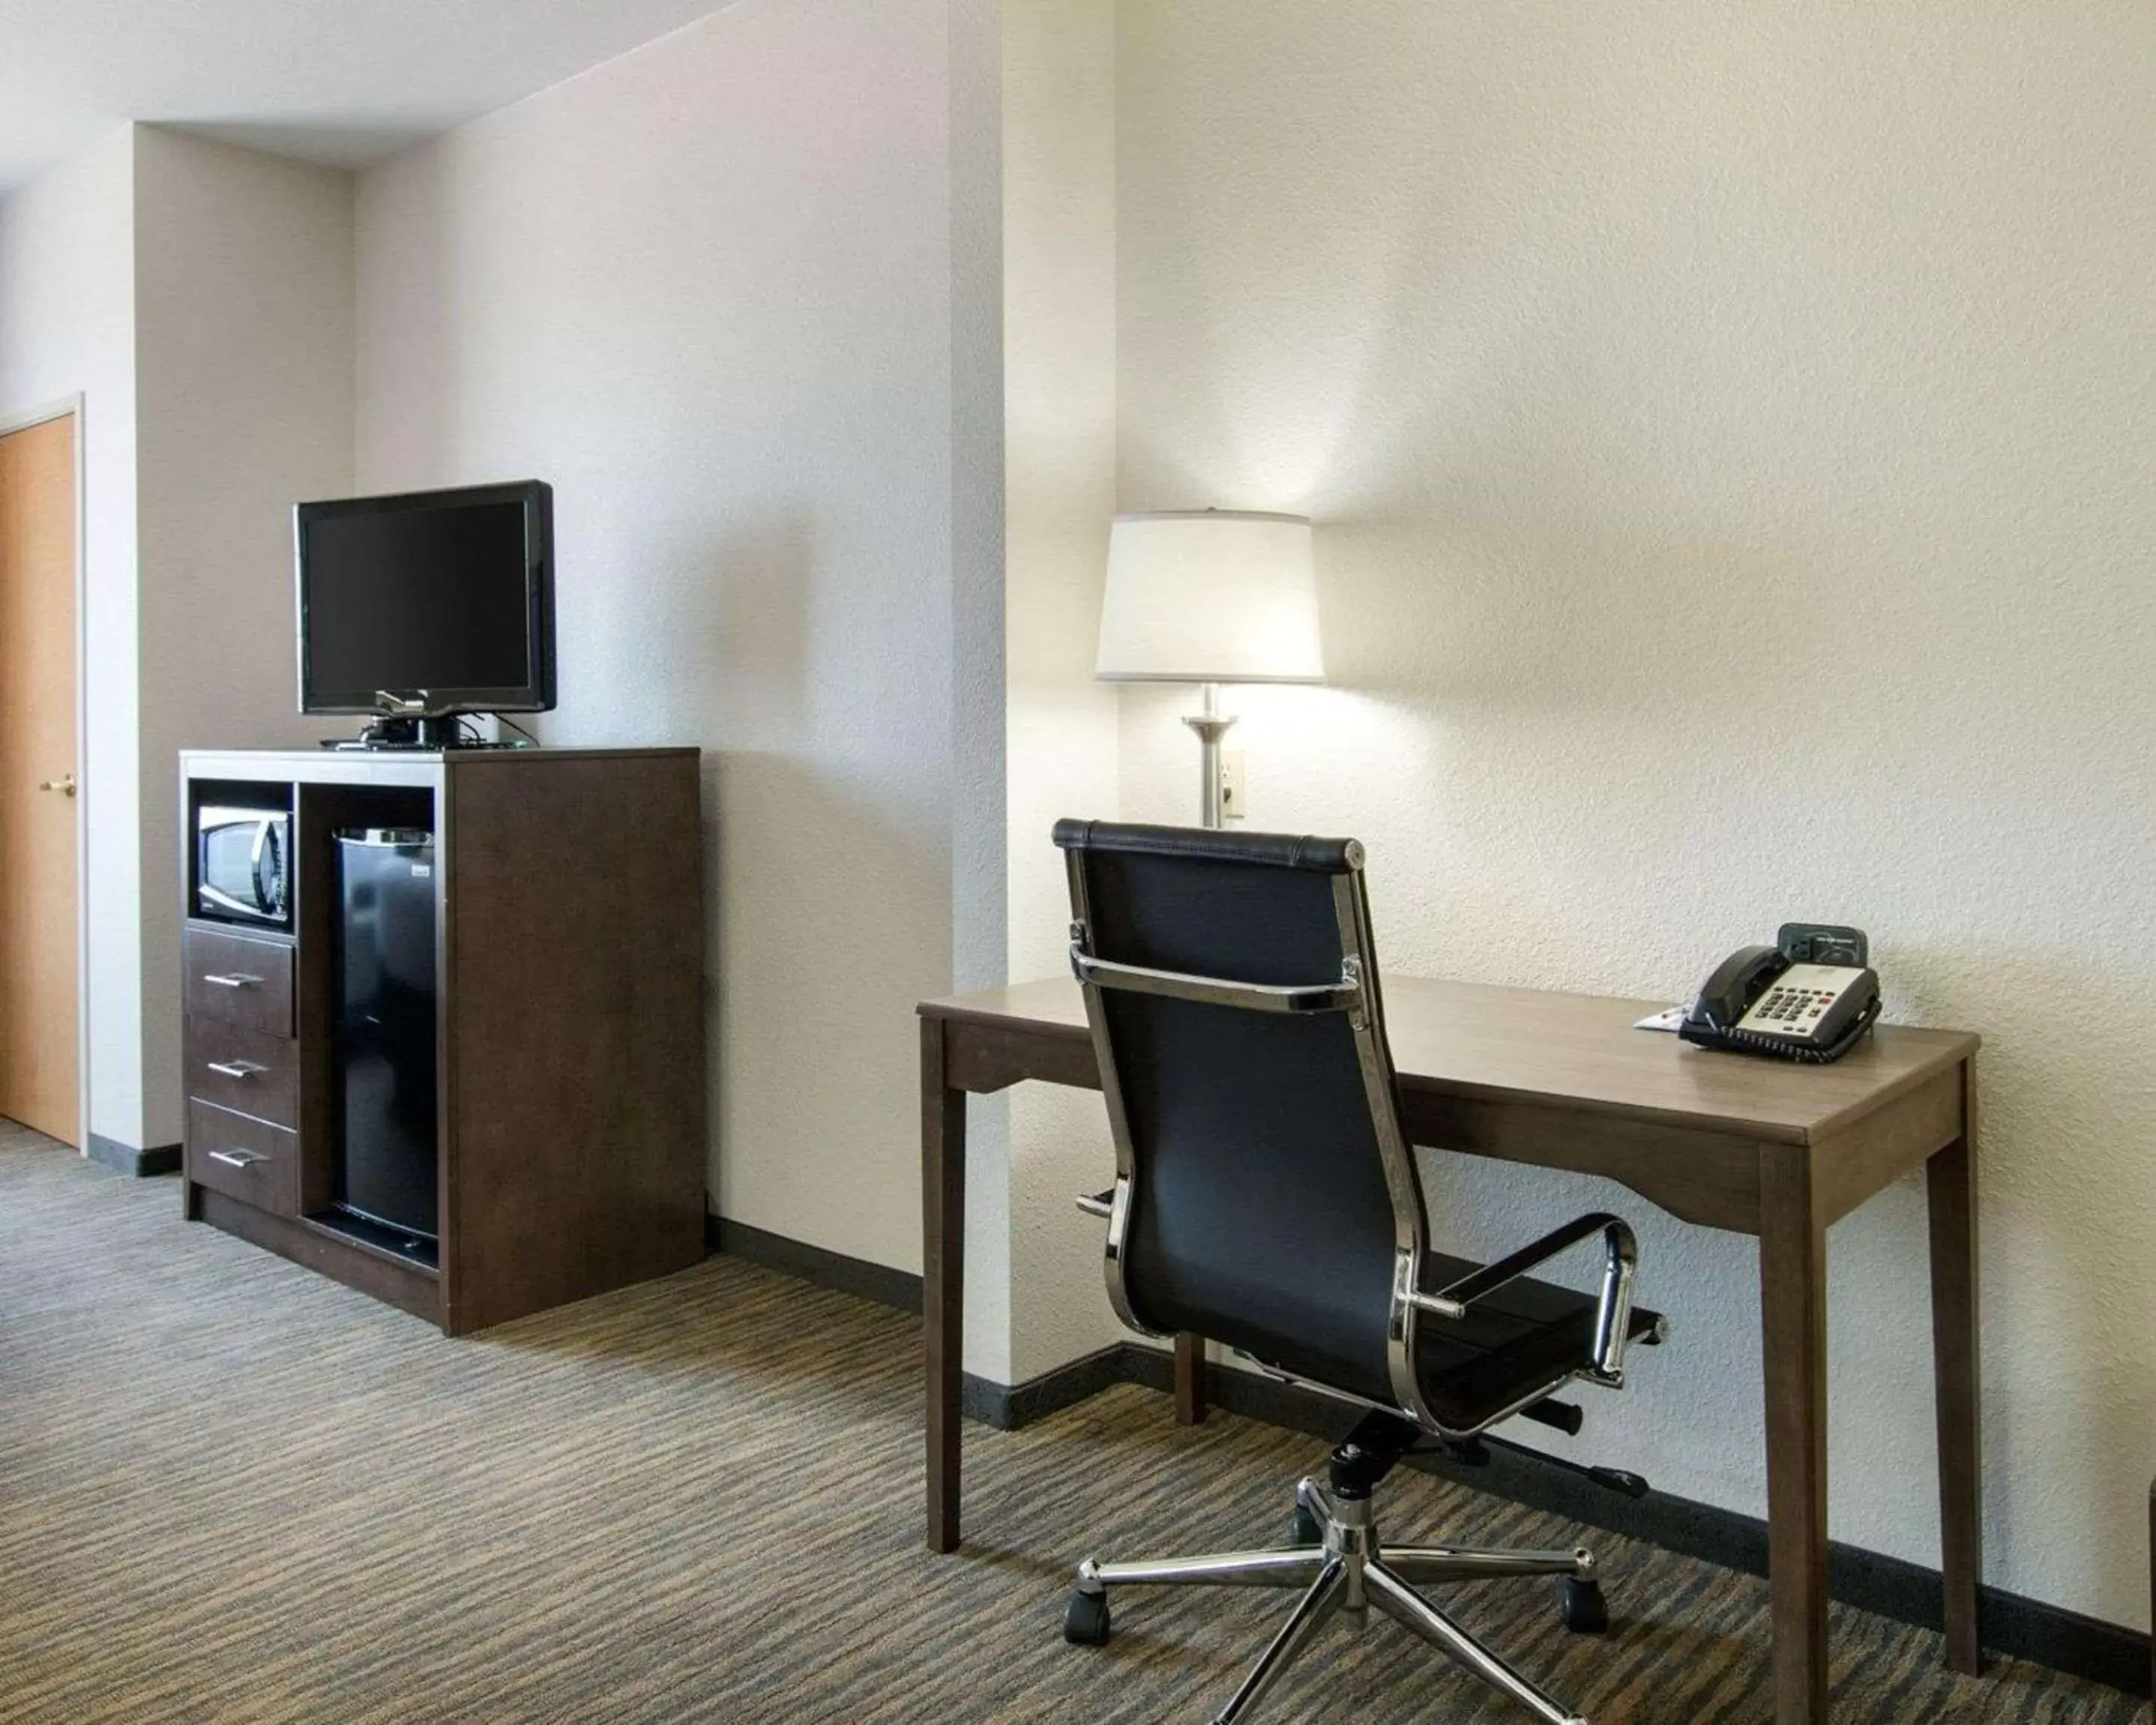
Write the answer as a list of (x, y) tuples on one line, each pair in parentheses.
[(382, 1056)]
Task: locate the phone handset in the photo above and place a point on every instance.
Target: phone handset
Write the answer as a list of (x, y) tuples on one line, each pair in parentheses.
[(1810, 997)]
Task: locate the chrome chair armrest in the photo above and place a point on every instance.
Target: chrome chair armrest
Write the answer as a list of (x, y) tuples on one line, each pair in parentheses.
[(1613, 1311)]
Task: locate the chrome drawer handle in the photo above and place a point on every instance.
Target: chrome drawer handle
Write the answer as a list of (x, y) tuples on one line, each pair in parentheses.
[(237, 979), (234, 1069), (241, 1159)]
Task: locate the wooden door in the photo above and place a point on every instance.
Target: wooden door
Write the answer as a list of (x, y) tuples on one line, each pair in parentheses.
[(40, 985)]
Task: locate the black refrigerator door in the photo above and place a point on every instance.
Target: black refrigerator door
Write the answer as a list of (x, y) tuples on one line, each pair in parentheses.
[(384, 1054)]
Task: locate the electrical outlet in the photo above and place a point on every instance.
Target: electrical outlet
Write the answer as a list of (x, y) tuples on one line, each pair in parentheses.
[(1234, 785)]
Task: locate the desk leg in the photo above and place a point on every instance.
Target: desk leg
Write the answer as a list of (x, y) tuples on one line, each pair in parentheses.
[(1950, 1182), (942, 1279), (1793, 1311), (1189, 1378)]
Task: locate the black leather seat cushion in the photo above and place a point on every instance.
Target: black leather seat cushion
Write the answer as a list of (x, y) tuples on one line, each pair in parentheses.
[(1519, 1342)]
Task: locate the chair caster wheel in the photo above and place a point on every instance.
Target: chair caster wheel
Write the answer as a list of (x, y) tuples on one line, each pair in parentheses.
[(1303, 1528), (1586, 1612), (1086, 1620)]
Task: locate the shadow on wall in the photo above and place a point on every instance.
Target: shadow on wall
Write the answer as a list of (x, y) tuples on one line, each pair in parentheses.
[(762, 575), (689, 633), (745, 612), (833, 917), (832, 920)]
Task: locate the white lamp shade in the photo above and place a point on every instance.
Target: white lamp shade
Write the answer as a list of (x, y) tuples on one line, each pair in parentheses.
[(1210, 596)]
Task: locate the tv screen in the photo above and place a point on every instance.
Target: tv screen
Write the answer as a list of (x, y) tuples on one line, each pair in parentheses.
[(442, 598)]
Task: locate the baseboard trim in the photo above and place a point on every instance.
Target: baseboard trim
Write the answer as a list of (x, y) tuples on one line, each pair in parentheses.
[(1004, 1406), (879, 1282), (2013, 1625), (125, 1159), (1008, 1407)]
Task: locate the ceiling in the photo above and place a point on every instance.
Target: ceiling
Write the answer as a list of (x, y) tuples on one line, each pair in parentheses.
[(340, 81)]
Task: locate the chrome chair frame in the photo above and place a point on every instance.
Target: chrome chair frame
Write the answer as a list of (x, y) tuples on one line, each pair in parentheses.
[(1349, 1570)]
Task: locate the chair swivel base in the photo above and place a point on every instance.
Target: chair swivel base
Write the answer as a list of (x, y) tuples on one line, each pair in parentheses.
[(1343, 1572)]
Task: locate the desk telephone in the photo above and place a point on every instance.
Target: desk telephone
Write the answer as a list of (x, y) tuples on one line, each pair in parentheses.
[(1810, 997)]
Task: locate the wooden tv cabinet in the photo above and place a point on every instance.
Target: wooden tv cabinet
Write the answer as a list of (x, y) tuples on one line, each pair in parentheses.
[(569, 1041)]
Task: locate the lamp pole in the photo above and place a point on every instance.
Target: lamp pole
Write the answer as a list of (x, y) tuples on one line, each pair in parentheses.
[(1211, 726)]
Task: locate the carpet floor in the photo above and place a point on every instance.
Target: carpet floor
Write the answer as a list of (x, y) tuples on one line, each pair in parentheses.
[(232, 1491)]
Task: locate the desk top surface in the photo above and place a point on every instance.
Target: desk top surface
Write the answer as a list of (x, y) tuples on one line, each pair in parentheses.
[(1579, 1051)]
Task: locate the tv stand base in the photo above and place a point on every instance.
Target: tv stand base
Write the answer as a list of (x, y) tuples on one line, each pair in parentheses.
[(431, 736)]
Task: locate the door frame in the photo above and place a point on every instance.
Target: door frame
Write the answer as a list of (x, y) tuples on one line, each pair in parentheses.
[(10, 424)]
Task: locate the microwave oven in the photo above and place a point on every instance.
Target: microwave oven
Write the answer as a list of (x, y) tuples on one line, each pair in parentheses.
[(244, 865)]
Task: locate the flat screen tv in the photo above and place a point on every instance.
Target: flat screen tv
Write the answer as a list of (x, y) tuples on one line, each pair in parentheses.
[(429, 604)]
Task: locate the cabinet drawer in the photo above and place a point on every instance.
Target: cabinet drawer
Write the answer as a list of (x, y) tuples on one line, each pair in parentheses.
[(247, 1159), (243, 1070), (242, 981)]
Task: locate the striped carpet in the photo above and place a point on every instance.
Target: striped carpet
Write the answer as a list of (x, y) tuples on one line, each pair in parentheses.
[(230, 1490)]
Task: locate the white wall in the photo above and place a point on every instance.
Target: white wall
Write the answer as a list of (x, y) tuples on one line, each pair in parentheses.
[(66, 311), (1060, 428), (199, 298), (243, 373), (717, 292), (1636, 359)]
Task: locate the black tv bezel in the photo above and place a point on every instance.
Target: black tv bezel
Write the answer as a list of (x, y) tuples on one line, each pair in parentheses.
[(536, 695)]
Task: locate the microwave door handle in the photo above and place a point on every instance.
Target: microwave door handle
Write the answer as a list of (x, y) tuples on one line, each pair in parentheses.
[(265, 850)]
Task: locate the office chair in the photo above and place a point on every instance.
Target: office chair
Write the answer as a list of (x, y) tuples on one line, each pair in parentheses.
[(1265, 1196)]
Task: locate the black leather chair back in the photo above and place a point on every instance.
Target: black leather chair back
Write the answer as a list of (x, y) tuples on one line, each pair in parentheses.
[(1260, 1212)]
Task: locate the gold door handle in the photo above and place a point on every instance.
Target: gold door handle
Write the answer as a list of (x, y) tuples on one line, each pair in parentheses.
[(65, 786)]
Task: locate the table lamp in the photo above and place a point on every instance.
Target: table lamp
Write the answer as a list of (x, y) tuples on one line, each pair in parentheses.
[(1210, 596)]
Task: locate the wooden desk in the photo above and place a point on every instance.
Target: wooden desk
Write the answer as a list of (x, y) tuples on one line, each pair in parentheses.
[(1768, 1149)]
